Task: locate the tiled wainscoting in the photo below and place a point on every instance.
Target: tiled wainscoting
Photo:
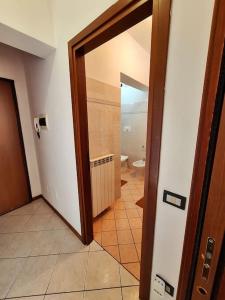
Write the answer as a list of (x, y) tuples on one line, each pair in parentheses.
[(40, 258), (119, 229)]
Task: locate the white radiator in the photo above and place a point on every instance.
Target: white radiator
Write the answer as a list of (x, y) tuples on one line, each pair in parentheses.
[(102, 183)]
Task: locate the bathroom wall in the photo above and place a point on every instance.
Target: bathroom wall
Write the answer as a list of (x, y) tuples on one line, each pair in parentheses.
[(134, 107), (103, 102), (104, 66), (122, 54)]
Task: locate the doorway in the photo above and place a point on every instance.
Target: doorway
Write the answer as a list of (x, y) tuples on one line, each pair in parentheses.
[(118, 18), (14, 180), (117, 106)]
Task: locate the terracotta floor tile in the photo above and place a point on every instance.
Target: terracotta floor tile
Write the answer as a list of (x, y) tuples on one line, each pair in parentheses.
[(133, 268), (120, 214), (138, 247), (125, 237), (130, 205), (108, 215), (119, 205), (98, 237), (128, 253), (140, 211), (137, 235), (132, 213), (135, 223), (97, 225), (114, 251), (109, 238), (122, 224), (108, 225)]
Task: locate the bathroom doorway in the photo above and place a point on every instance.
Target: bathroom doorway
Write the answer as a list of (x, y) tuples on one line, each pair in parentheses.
[(117, 106), (117, 19)]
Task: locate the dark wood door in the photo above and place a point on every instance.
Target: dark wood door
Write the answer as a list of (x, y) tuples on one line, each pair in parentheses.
[(14, 182), (212, 237)]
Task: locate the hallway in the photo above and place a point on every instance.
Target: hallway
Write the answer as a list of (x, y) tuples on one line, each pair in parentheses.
[(40, 257)]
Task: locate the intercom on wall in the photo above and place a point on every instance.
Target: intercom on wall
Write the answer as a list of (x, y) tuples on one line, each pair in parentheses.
[(40, 123)]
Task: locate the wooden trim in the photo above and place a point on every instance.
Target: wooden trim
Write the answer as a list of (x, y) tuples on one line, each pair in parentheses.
[(205, 125), (37, 197), (63, 219), (12, 83), (114, 21), (118, 18), (160, 39)]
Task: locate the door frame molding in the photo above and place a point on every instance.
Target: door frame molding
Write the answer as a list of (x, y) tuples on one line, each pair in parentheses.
[(12, 83), (118, 18), (208, 109)]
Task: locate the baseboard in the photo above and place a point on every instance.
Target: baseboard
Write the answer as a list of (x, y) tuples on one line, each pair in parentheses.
[(63, 219), (37, 197)]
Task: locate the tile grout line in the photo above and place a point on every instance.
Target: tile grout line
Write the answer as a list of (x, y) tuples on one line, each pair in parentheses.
[(53, 254), (53, 269), (72, 291), (11, 286)]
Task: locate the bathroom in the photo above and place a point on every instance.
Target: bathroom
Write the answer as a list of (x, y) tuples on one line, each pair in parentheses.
[(134, 109), (117, 78)]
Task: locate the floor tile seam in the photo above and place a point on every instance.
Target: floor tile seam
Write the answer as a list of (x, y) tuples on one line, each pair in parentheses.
[(27, 231), (75, 291), (53, 269), (86, 267), (11, 286), (50, 254)]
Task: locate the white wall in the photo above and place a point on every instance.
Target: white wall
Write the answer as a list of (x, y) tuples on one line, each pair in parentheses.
[(11, 67), (27, 25), (50, 90), (49, 85), (31, 17), (121, 54), (188, 44)]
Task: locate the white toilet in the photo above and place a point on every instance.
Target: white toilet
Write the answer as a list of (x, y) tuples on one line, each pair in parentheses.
[(139, 166), (139, 163)]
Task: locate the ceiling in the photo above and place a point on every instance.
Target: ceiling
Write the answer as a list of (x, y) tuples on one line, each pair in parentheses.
[(141, 32)]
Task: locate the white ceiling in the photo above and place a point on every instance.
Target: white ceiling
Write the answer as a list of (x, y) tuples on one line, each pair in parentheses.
[(141, 32)]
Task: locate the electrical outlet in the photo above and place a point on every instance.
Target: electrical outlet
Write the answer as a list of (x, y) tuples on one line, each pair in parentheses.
[(159, 286)]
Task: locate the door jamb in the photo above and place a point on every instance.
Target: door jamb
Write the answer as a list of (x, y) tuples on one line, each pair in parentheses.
[(118, 18), (215, 54), (12, 83)]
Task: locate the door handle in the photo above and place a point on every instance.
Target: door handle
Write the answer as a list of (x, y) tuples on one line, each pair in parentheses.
[(208, 257)]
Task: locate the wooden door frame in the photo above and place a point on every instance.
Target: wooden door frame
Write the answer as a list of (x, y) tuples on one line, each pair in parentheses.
[(12, 84), (208, 110), (109, 24), (118, 18)]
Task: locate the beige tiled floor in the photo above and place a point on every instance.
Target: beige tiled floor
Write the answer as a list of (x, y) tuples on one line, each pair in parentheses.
[(119, 229), (41, 259)]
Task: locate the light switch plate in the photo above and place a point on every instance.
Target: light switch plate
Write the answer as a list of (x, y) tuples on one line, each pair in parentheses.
[(174, 199), (159, 286)]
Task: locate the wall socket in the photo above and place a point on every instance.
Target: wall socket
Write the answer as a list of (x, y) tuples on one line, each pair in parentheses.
[(161, 286)]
